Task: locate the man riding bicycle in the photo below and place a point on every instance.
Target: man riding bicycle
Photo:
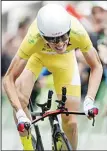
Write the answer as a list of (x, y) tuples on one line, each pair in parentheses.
[(50, 42)]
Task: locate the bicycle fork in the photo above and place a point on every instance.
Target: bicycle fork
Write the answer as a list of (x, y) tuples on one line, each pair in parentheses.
[(55, 128), (39, 144)]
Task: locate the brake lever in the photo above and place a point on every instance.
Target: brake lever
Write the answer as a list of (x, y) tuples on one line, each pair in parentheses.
[(27, 127), (93, 121), (92, 115)]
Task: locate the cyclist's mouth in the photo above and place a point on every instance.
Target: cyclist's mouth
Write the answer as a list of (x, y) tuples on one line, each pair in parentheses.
[(60, 48)]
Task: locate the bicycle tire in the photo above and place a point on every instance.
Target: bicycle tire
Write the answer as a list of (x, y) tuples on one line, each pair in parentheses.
[(61, 142)]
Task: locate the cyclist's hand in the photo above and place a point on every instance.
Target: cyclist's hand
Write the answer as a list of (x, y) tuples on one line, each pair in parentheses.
[(22, 119), (89, 107)]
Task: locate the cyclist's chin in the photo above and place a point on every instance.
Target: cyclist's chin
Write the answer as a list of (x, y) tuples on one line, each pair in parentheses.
[(61, 50)]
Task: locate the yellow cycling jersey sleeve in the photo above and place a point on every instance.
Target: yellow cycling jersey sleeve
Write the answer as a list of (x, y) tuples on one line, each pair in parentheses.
[(31, 43), (85, 42), (79, 36)]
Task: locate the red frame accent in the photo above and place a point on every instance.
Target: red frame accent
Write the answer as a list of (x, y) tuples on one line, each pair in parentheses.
[(58, 111), (46, 114), (52, 112)]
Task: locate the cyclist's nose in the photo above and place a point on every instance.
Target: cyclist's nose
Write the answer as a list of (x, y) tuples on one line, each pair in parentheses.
[(59, 43)]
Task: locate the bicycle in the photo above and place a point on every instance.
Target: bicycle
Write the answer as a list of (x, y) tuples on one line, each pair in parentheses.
[(59, 139)]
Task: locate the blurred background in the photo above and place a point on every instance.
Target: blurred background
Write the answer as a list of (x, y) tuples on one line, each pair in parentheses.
[(16, 18)]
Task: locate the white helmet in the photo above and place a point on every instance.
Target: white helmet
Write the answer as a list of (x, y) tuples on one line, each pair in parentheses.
[(53, 20)]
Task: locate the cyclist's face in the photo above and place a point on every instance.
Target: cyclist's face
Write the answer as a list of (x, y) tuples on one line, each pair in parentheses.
[(59, 44), (59, 47)]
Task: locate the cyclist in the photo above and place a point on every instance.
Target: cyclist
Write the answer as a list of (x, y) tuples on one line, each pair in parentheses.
[(50, 42)]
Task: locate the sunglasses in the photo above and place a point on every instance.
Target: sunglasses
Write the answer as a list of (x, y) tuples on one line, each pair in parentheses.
[(62, 38)]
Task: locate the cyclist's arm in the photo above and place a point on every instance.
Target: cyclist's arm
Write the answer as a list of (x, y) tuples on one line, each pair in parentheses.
[(16, 67), (91, 56), (96, 71)]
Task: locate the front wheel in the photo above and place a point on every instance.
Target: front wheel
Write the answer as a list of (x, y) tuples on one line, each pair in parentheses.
[(61, 142)]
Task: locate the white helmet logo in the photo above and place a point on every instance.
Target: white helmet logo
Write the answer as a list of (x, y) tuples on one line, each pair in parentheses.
[(55, 34)]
